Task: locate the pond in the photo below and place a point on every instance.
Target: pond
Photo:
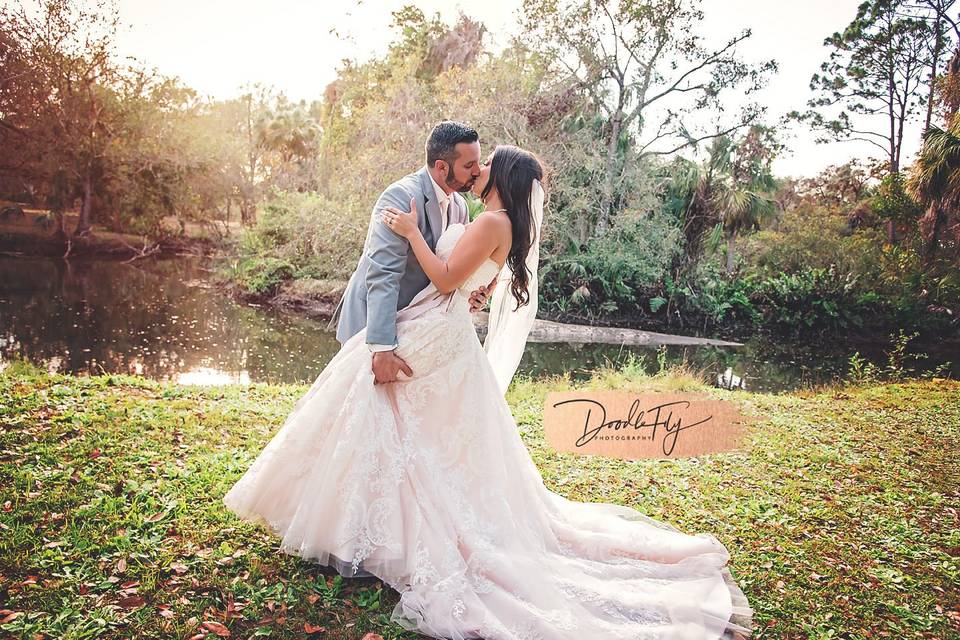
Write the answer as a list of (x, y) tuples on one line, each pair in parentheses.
[(164, 319)]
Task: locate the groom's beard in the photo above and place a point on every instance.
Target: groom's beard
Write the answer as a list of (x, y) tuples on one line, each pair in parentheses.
[(454, 184)]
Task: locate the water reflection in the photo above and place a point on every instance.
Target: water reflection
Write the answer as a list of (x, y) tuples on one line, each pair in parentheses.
[(157, 319), (751, 362), (162, 319), (208, 376)]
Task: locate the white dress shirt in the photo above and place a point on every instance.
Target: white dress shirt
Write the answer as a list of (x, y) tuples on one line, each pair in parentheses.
[(443, 200)]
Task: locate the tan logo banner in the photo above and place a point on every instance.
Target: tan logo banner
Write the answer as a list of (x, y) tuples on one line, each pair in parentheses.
[(621, 424)]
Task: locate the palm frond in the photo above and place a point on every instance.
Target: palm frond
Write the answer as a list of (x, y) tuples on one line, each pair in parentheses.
[(936, 172)]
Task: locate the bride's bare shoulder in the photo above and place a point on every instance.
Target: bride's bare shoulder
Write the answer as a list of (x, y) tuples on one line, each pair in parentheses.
[(494, 221), (496, 224)]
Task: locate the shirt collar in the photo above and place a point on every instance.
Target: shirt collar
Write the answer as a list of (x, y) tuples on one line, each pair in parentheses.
[(441, 195)]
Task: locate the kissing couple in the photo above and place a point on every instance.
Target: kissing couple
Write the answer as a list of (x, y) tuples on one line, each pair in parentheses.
[(403, 460)]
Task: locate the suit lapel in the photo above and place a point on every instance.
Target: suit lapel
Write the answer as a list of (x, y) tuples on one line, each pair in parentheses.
[(431, 204)]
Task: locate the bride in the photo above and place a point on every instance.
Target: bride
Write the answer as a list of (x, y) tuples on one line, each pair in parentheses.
[(425, 482)]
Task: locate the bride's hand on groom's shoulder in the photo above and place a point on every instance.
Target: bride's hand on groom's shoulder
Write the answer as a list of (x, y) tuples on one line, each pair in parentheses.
[(403, 223)]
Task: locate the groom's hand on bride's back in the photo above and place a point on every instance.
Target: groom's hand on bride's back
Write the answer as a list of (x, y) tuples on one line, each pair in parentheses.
[(386, 364), (479, 297)]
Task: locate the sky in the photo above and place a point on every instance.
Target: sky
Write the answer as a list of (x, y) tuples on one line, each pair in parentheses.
[(295, 46)]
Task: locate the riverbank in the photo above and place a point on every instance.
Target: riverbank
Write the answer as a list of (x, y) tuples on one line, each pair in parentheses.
[(312, 298), (317, 299), (840, 511), (268, 283), (23, 235), (168, 319)]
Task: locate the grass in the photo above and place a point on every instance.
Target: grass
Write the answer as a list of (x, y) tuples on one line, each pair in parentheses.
[(840, 510)]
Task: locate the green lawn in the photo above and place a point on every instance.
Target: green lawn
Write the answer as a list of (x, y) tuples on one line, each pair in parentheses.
[(840, 511)]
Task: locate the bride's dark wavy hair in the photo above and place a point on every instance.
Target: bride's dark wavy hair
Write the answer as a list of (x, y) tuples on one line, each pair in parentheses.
[(512, 172)]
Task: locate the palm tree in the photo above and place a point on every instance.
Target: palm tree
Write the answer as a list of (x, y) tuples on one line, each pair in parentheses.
[(741, 207), (290, 131), (730, 192), (935, 180), (691, 194)]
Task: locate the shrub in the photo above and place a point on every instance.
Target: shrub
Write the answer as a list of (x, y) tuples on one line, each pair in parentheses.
[(263, 275), (812, 298), (313, 236), (613, 272), (719, 299)]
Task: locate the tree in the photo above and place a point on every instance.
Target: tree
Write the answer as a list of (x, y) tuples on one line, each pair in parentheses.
[(161, 163), (376, 114), (254, 116), (745, 200), (635, 58), (689, 196), (291, 134), (20, 93), (728, 194), (892, 203), (874, 75), (71, 48), (936, 13), (839, 187), (935, 181)]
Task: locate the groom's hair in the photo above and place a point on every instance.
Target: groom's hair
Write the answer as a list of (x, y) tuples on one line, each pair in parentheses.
[(443, 140)]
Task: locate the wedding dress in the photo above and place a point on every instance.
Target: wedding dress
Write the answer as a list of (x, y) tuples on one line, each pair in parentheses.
[(426, 483)]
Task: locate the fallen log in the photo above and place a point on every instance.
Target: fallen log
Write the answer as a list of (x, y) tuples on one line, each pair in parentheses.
[(549, 331)]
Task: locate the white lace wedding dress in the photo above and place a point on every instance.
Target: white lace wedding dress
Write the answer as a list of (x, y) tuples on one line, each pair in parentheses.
[(426, 484)]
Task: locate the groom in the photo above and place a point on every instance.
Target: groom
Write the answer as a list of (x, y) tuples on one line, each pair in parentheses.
[(388, 274)]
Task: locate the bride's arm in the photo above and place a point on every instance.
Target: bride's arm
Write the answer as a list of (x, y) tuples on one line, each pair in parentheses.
[(477, 243)]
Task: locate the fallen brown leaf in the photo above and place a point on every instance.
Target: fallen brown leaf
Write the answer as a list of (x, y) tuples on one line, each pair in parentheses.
[(132, 602), (217, 628), (10, 617)]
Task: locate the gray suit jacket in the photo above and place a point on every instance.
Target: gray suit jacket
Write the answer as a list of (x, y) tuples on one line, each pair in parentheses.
[(388, 274)]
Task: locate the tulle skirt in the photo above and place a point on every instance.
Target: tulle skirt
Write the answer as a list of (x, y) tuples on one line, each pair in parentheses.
[(426, 484)]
